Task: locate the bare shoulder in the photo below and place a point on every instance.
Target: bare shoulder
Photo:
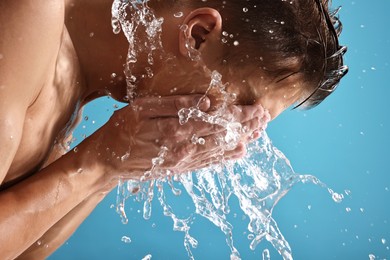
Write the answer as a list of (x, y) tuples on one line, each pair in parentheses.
[(30, 37)]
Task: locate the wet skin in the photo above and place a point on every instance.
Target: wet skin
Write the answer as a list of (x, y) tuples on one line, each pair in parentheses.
[(45, 194)]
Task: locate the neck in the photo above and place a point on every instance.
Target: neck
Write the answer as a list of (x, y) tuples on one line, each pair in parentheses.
[(101, 53)]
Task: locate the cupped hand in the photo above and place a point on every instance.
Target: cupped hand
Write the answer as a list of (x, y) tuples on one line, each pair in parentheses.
[(147, 136)]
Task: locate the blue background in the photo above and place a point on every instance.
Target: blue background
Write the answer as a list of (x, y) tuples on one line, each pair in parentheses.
[(344, 142)]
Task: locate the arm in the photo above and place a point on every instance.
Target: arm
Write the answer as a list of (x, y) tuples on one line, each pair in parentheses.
[(30, 36), (138, 130), (62, 230), (30, 208)]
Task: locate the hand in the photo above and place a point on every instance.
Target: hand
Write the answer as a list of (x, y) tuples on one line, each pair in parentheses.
[(137, 134)]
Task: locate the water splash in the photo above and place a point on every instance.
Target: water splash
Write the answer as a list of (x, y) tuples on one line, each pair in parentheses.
[(258, 181), (138, 23)]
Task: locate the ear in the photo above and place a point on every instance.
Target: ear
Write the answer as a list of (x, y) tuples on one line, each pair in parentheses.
[(202, 28)]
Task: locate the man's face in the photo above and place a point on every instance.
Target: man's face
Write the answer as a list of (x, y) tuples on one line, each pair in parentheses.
[(182, 77), (255, 88)]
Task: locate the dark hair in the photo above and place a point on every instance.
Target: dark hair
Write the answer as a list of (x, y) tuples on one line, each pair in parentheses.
[(286, 37)]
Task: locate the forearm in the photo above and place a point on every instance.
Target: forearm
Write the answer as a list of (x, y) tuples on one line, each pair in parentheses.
[(30, 208), (62, 230)]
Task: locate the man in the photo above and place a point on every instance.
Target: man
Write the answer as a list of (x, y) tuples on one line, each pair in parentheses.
[(56, 56)]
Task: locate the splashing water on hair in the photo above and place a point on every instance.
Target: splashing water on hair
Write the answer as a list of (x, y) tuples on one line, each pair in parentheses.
[(258, 181)]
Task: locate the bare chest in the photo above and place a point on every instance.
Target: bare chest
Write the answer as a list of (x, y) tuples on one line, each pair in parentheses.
[(50, 117)]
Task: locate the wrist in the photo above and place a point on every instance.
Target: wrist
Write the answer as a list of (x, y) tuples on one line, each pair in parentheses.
[(100, 161), (88, 165)]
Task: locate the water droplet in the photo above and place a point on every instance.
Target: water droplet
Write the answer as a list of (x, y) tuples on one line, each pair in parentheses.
[(86, 118), (153, 225), (178, 14), (245, 9), (113, 75), (224, 33), (383, 240), (337, 197), (126, 239), (194, 139), (125, 156), (157, 161), (120, 209), (147, 257), (236, 43), (149, 72), (80, 170), (371, 257), (183, 27), (348, 210), (266, 254), (75, 150), (309, 207), (271, 31), (91, 34)]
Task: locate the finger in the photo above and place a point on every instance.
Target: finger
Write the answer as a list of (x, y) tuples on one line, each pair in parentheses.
[(219, 155), (171, 130), (204, 163), (235, 154), (169, 106), (187, 152), (239, 152), (245, 113), (250, 126)]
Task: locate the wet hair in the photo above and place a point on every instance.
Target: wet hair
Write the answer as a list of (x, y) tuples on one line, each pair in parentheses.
[(283, 38)]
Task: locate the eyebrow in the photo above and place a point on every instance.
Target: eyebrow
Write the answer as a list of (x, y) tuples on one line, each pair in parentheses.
[(287, 76)]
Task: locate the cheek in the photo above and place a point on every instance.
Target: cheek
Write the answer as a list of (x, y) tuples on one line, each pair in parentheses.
[(241, 94), (274, 106)]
